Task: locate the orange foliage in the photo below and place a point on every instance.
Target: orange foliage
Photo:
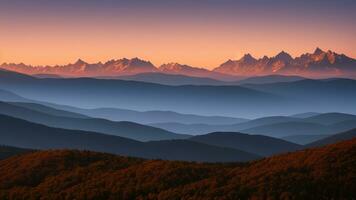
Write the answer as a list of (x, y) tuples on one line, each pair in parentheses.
[(321, 173)]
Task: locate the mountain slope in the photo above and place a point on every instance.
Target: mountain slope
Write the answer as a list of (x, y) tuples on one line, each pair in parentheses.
[(301, 128), (275, 126), (171, 79), (123, 129), (257, 144), (347, 135), (325, 96), (330, 118), (11, 97), (116, 114), (321, 173), (304, 139), (289, 128), (49, 110), (8, 151), (270, 79), (305, 115), (20, 133), (201, 128), (148, 117)]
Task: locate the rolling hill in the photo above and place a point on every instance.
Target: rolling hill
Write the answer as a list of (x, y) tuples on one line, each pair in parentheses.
[(270, 79), (11, 97), (275, 126), (8, 151), (301, 128), (49, 110), (21, 133), (246, 101), (141, 96), (347, 135), (257, 144), (123, 129), (304, 139), (325, 96), (330, 118), (148, 117), (306, 174), (170, 79)]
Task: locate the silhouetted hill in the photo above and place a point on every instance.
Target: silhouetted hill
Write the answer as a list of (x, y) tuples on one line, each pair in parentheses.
[(123, 129), (11, 97), (47, 76), (8, 151), (140, 96), (270, 79), (289, 128), (196, 129), (148, 117), (248, 100), (321, 173), (325, 96), (257, 144), (301, 128), (116, 114), (49, 110), (276, 126), (330, 118), (171, 79), (305, 115), (20, 133), (304, 139), (11, 76), (347, 135)]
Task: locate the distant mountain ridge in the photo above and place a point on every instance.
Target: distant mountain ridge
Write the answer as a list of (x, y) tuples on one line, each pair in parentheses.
[(81, 68), (318, 64), (25, 134)]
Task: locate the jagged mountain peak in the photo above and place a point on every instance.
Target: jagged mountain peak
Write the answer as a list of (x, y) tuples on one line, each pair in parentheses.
[(80, 62), (248, 58), (284, 56), (317, 64), (318, 51)]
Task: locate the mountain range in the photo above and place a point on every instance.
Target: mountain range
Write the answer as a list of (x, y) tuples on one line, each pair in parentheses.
[(317, 64)]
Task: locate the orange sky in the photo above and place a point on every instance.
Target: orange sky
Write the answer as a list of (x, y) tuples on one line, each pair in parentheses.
[(204, 38)]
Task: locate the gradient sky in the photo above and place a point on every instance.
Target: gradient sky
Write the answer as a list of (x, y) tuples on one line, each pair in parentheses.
[(201, 33)]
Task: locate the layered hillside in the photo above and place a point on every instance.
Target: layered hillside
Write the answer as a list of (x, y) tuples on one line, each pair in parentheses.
[(321, 173)]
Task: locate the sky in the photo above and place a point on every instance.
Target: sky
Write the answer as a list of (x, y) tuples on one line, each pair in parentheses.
[(201, 33)]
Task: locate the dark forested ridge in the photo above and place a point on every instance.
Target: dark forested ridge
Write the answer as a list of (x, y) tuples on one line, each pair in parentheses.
[(321, 173), (8, 151)]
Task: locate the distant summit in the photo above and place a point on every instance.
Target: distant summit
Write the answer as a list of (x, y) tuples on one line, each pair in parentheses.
[(81, 68), (176, 68), (317, 64)]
